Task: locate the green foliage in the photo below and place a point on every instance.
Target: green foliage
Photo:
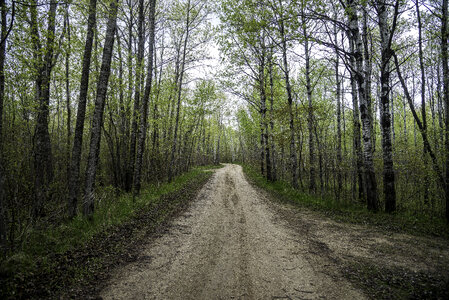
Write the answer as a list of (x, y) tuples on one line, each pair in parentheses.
[(349, 212), (111, 211)]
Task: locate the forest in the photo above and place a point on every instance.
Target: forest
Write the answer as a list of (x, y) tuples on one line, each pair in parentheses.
[(343, 100)]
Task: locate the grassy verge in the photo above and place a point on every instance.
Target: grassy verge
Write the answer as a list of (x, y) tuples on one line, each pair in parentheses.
[(351, 212), (80, 251)]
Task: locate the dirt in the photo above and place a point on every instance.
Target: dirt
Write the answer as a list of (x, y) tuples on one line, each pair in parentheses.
[(234, 242), (82, 272)]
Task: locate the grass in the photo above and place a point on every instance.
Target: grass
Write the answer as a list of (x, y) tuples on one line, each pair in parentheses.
[(351, 212), (114, 216)]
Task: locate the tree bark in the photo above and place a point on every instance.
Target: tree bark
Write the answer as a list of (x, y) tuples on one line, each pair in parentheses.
[(3, 36), (386, 34), (310, 125), (138, 84), (444, 60), (265, 150), (43, 160), (67, 89), (273, 146), (423, 100), (338, 95), (144, 105), (357, 146), (97, 119), (293, 159), (370, 176), (74, 174), (179, 90)]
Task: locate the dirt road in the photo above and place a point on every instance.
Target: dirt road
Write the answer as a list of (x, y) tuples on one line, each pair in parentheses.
[(233, 243)]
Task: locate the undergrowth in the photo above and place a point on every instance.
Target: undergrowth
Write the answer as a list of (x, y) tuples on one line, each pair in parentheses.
[(41, 246), (351, 212)]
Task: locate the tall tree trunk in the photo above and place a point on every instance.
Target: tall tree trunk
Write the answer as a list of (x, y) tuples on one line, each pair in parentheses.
[(265, 150), (67, 89), (310, 125), (3, 35), (97, 120), (370, 176), (122, 149), (128, 170), (179, 90), (138, 84), (368, 69), (74, 174), (357, 147), (444, 60), (144, 106), (386, 35), (273, 147), (293, 159), (337, 95), (43, 160), (423, 100)]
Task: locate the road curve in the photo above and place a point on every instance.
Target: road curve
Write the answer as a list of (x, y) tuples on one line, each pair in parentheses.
[(230, 244)]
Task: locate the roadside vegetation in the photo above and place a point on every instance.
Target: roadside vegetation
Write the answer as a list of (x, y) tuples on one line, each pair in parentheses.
[(74, 252), (377, 278), (352, 212)]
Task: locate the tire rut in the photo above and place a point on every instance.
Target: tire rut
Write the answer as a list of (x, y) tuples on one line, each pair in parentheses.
[(230, 245)]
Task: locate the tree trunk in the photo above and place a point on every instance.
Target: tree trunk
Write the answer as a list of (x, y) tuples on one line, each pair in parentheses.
[(144, 106), (273, 147), (179, 90), (357, 147), (265, 150), (3, 12), (74, 178), (293, 160), (312, 184), (43, 161), (67, 89), (338, 95), (138, 84), (444, 60), (370, 176), (97, 120), (423, 100), (386, 34)]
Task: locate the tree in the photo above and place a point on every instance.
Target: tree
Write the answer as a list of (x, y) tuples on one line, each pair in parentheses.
[(144, 105), (356, 43), (74, 180), (3, 35), (43, 65), (386, 38), (444, 61), (97, 119)]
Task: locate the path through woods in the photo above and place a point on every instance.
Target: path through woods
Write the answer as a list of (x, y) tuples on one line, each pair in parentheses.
[(234, 243)]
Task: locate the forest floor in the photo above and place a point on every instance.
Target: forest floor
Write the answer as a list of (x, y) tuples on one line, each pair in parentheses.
[(236, 242)]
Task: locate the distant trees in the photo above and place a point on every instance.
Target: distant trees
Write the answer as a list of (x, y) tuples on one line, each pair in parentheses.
[(125, 68), (339, 104), (361, 102)]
